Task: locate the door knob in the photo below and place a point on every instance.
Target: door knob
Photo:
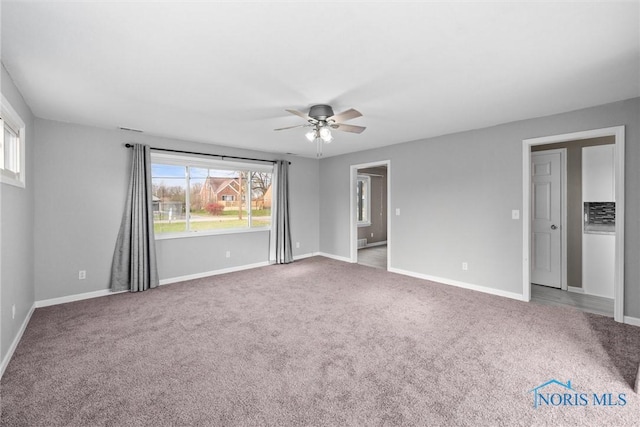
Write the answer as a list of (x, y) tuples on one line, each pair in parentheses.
[(553, 226)]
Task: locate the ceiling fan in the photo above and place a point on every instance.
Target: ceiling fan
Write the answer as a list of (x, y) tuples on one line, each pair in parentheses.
[(322, 120)]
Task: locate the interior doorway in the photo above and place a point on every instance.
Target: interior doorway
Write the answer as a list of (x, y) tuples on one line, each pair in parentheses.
[(593, 224), (370, 231)]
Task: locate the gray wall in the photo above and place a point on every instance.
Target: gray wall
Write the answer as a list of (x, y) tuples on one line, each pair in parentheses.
[(456, 193), (79, 206), (16, 213)]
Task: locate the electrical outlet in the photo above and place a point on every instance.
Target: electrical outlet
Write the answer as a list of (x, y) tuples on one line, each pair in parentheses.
[(82, 274), (13, 311), (465, 266), (297, 244), (228, 254), (397, 211)]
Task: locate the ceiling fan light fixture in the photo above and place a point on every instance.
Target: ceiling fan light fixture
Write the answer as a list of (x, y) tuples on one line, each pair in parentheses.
[(311, 135), (325, 134)]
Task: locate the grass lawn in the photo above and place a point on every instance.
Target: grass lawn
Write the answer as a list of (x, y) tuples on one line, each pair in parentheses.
[(255, 212)]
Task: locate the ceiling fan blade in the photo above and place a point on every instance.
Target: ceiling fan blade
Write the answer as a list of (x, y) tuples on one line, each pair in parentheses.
[(301, 114), (291, 127), (345, 115), (348, 128)]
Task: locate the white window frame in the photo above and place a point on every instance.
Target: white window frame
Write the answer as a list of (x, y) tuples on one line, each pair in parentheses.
[(10, 118), (210, 163), (367, 180)]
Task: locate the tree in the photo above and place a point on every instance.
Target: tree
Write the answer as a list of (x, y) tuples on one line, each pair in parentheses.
[(195, 196), (260, 183)]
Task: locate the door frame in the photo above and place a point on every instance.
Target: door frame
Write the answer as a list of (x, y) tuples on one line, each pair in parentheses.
[(353, 178), (563, 213), (618, 132)]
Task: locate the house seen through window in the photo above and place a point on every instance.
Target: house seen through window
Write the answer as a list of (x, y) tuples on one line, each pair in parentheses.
[(192, 195)]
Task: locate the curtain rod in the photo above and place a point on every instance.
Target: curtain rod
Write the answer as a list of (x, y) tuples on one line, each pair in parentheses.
[(222, 157)]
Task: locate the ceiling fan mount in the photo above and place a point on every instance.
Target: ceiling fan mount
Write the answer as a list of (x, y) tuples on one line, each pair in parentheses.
[(320, 112)]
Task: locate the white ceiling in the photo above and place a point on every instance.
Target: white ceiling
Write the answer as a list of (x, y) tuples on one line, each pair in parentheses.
[(223, 72)]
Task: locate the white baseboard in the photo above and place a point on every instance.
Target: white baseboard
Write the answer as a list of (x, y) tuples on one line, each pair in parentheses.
[(16, 340), (459, 284), (575, 289), (336, 257), (585, 292), (632, 320), (76, 297), (303, 256), (213, 273), (370, 245)]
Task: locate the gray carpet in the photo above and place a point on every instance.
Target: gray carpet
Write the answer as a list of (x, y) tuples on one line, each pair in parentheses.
[(317, 342)]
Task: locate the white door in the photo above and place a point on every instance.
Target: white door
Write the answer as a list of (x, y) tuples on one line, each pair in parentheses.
[(546, 215)]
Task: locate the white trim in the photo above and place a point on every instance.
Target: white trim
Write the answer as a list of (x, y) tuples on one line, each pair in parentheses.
[(618, 132), (213, 273), (15, 121), (337, 257), (597, 295), (16, 340), (635, 321), (353, 243), (575, 289), (75, 297), (303, 256), (209, 233), (107, 292), (459, 284)]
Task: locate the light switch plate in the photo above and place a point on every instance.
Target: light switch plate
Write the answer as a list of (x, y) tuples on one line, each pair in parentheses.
[(515, 214)]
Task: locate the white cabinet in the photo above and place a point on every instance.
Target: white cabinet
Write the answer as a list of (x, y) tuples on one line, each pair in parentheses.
[(598, 184), (598, 264)]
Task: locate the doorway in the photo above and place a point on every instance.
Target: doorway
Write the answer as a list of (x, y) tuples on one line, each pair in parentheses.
[(575, 267), (370, 242)]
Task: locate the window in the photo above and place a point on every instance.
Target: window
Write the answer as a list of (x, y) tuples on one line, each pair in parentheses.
[(11, 146), (199, 195), (363, 213)]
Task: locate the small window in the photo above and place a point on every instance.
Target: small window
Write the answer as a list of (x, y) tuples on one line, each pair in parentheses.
[(194, 196), (363, 213), (11, 146)]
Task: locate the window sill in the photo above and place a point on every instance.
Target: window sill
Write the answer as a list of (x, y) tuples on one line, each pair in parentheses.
[(190, 234), (11, 181), (364, 224)]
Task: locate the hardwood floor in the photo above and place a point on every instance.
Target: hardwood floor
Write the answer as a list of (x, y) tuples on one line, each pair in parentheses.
[(589, 303), (374, 256)]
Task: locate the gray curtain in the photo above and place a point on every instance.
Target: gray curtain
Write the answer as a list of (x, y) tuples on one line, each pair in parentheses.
[(134, 260), (281, 232)]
